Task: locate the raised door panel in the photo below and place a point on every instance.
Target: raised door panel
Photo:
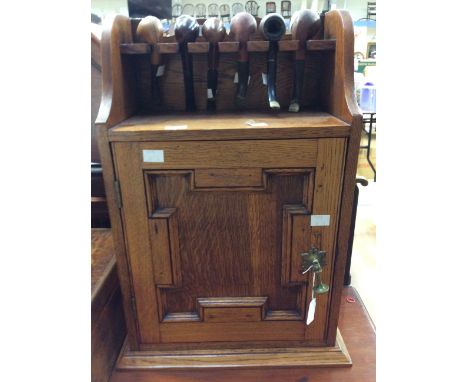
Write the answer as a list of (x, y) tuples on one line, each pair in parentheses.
[(214, 248)]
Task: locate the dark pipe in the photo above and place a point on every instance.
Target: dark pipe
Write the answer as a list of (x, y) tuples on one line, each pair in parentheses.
[(214, 32), (273, 28), (305, 24), (186, 30), (243, 25), (150, 30)]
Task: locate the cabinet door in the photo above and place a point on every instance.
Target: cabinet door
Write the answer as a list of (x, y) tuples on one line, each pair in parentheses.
[(214, 233)]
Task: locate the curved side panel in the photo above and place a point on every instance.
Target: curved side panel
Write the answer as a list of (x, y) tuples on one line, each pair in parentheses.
[(117, 104), (117, 101), (339, 26), (342, 104)]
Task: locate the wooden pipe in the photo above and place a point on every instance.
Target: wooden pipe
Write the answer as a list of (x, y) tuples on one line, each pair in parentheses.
[(213, 30), (243, 25), (273, 28), (150, 31), (186, 30), (305, 24)]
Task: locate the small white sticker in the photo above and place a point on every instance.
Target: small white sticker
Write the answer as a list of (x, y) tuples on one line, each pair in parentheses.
[(236, 79), (175, 127), (265, 78), (160, 71), (311, 312), (153, 156), (319, 220), (210, 93), (251, 122)]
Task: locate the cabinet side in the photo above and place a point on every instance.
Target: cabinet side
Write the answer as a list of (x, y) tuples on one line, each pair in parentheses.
[(340, 101), (117, 104)]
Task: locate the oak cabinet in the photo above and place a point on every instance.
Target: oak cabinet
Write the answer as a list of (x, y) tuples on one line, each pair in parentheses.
[(215, 216)]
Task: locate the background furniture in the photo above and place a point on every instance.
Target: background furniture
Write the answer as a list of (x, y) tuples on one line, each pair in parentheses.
[(252, 7), (236, 8), (213, 10), (270, 7), (369, 120), (224, 12), (99, 211), (363, 182), (142, 8), (200, 10), (371, 10), (188, 9), (107, 318), (176, 11), (286, 9)]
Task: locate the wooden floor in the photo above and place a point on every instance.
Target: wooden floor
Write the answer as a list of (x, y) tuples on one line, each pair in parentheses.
[(364, 169), (363, 262)]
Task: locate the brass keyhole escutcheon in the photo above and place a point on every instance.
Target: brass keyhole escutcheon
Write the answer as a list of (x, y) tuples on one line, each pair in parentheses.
[(314, 260)]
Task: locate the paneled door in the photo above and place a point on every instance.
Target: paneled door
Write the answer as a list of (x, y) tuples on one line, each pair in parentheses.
[(214, 232)]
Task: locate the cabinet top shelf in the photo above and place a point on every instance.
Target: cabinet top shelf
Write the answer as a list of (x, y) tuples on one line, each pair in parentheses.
[(248, 125)]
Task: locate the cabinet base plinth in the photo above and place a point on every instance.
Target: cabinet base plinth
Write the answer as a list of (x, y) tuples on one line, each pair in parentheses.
[(334, 356)]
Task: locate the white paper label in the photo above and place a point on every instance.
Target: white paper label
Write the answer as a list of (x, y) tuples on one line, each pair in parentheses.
[(210, 93), (311, 312), (236, 79), (265, 78), (175, 127), (319, 220), (251, 122), (153, 156), (160, 71)]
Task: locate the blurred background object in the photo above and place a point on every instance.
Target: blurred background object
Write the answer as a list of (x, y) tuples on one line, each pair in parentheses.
[(164, 9)]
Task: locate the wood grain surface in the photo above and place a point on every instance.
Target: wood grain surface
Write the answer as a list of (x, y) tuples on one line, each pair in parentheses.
[(341, 102), (118, 102), (355, 327), (255, 125), (336, 356), (227, 46), (229, 154), (323, 142), (107, 318), (102, 256), (116, 107), (227, 240), (118, 97)]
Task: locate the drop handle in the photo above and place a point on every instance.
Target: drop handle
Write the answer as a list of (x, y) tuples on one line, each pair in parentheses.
[(314, 260)]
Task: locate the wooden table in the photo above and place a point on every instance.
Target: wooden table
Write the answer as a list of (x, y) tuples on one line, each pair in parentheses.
[(107, 318), (355, 325)]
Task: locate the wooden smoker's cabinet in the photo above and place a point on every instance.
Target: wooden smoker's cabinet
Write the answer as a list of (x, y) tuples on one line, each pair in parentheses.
[(210, 214)]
